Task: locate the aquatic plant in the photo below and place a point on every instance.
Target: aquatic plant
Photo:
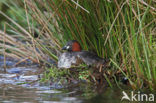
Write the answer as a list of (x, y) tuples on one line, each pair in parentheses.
[(123, 31)]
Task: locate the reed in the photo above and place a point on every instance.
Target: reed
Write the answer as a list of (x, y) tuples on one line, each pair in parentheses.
[(123, 31)]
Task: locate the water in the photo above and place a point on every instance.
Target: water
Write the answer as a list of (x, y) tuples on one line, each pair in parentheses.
[(18, 94), (15, 88), (21, 85)]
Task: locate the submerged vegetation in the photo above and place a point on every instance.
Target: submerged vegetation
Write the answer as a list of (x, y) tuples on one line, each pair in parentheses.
[(123, 31)]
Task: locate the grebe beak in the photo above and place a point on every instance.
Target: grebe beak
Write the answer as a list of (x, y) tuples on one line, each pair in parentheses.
[(64, 48)]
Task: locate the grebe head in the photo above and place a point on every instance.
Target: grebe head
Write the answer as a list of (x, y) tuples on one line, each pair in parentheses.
[(73, 46)]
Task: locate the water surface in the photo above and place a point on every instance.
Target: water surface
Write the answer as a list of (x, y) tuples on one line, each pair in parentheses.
[(21, 84)]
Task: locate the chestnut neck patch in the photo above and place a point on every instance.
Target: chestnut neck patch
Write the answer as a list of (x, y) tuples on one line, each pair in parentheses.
[(76, 47)]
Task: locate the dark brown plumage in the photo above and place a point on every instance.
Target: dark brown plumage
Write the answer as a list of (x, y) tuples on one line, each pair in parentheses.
[(75, 54)]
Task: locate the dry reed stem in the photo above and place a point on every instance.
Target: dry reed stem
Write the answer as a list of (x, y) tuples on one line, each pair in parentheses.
[(77, 4), (114, 22), (4, 48)]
